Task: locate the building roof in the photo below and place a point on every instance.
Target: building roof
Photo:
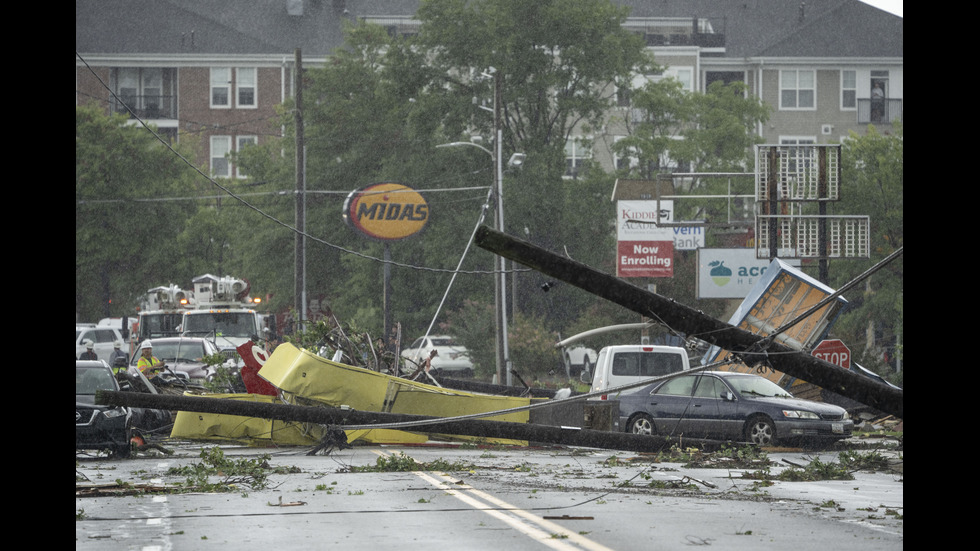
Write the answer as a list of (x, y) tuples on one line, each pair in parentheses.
[(788, 28), (752, 28)]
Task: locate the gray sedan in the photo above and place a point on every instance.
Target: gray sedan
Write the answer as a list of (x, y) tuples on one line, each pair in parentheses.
[(730, 406)]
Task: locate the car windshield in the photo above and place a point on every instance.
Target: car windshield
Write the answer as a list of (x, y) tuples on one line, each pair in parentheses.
[(90, 379), (178, 351), (228, 324), (443, 342), (757, 386), (159, 325)]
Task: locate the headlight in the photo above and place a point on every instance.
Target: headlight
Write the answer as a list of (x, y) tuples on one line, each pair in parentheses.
[(114, 412), (796, 414)]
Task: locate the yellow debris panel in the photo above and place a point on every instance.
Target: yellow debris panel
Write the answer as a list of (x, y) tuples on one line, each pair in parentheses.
[(302, 376), (191, 425)]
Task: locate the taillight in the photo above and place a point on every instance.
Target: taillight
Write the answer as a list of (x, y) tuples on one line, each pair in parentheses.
[(604, 397)]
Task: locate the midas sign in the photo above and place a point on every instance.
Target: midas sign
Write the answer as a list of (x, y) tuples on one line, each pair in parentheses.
[(386, 211)]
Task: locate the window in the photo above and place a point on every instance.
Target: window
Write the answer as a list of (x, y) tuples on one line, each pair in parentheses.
[(797, 90), (239, 85), (245, 84), (684, 75), (848, 90), (576, 152), (220, 87), (145, 92), (680, 386), (128, 87), (710, 387), (243, 142), (627, 159), (220, 147)]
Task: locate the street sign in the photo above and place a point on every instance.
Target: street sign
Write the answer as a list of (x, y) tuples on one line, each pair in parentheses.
[(834, 351)]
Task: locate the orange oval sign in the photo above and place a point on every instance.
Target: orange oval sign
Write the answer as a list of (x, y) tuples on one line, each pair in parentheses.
[(387, 211)]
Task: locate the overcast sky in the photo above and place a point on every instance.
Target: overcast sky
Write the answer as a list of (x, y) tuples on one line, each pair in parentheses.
[(891, 6)]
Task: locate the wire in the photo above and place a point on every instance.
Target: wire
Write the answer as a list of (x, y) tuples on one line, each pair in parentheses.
[(240, 198)]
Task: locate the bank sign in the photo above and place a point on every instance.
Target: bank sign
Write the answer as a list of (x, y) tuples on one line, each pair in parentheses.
[(730, 273), (386, 211)]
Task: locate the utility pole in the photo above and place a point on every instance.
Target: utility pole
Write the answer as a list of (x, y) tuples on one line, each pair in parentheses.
[(503, 353), (300, 253)]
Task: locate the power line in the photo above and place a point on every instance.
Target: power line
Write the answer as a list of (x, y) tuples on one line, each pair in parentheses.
[(240, 197)]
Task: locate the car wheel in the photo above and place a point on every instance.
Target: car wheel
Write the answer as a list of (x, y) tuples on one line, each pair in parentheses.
[(642, 424), (760, 431)]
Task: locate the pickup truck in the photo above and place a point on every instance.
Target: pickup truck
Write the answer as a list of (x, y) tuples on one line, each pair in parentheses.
[(623, 364)]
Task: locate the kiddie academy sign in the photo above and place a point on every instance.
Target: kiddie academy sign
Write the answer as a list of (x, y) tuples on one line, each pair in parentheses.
[(386, 211), (643, 249)]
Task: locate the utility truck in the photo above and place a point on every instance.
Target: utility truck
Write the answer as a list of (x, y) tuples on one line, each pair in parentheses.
[(161, 312), (224, 312)]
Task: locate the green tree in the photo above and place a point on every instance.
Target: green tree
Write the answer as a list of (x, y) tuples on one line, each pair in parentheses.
[(126, 221), (873, 185), (554, 62)]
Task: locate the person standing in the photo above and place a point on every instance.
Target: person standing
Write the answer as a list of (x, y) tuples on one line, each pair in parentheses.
[(89, 353), (117, 352)]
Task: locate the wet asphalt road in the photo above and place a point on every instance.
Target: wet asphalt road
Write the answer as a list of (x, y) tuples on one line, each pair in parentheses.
[(510, 498)]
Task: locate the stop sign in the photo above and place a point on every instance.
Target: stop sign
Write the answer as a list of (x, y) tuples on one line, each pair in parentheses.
[(835, 352)]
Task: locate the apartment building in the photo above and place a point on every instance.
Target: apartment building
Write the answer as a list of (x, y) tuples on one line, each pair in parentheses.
[(215, 70)]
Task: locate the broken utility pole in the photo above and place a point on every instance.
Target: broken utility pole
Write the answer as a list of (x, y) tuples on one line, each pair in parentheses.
[(694, 323), (351, 419)]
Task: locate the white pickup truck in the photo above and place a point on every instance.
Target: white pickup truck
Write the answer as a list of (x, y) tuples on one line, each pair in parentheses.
[(629, 363)]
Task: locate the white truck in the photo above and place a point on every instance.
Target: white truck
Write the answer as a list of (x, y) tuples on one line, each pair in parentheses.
[(161, 312), (630, 363), (224, 312)]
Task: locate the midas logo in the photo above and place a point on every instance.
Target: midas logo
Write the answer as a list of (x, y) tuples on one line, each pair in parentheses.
[(386, 211), (392, 211)]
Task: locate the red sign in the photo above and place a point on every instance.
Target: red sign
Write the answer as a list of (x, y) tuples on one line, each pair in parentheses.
[(645, 259), (835, 352), (254, 358)]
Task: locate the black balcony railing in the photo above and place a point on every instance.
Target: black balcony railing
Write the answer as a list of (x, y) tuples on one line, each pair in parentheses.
[(879, 111), (145, 107)]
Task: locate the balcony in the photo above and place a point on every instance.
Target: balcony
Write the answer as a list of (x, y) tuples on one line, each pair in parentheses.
[(879, 111), (145, 107)]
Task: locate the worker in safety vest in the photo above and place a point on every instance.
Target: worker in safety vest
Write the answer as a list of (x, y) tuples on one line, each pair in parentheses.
[(147, 364)]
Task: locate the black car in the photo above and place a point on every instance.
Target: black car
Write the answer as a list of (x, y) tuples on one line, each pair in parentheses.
[(99, 427), (729, 406)]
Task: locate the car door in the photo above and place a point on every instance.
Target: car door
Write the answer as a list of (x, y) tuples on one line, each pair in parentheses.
[(669, 405), (705, 409)]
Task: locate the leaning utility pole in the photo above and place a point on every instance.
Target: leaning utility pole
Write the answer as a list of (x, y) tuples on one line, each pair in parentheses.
[(744, 344)]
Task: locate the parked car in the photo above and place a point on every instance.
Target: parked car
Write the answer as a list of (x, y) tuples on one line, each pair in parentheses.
[(452, 358), (183, 355), (729, 406), (102, 337), (578, 360), (99, 427)]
